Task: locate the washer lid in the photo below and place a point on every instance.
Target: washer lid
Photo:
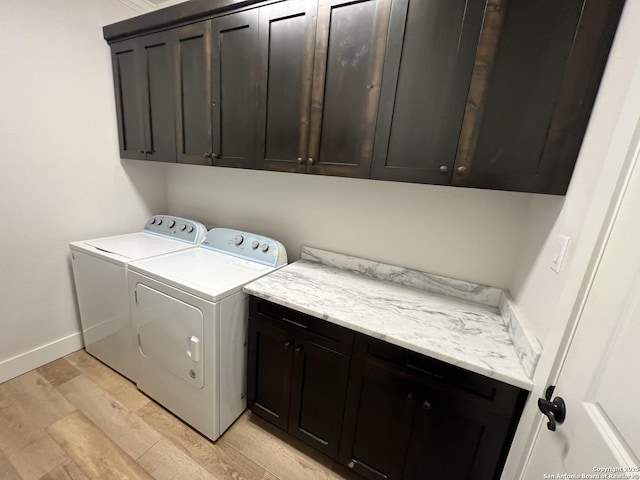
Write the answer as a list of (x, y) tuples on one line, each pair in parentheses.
[(205, 273), (133, 246)]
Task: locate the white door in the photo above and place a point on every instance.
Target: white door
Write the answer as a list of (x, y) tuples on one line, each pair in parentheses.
[(170, 335), (600, 377)]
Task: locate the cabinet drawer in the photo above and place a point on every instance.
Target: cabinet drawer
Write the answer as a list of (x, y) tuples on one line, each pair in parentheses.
[(488, 394), (321, 332)]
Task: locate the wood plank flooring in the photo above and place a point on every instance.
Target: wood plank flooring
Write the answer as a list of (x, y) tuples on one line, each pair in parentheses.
[(76, 419)]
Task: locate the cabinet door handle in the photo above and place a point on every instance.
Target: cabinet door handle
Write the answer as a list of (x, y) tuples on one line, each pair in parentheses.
[(299, 160), (461, 171), (355, 463), (301, 325), (311, 161), (288, 344), (443, 169), (299, 348), (426, 405)]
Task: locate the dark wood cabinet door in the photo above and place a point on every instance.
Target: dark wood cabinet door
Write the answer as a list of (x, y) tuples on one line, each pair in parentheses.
[(318, 392), (349, 56), (192, 66), (453, 438), (287, 39), (377, 422), (158, 96), (546, 74), (128, 91), (269, 371), (234, 63), (428, 64)]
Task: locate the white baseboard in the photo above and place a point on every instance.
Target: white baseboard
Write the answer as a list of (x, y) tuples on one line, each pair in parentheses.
[(12, 367)]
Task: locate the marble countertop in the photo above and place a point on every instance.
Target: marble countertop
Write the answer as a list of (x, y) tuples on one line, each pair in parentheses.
[(455, 330)]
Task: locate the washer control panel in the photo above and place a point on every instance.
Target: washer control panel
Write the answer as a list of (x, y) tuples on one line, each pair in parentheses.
[(248, 246), (177, 228)]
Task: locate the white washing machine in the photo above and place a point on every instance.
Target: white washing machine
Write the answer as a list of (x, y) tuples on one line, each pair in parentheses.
[(100, 275), (191, 317)]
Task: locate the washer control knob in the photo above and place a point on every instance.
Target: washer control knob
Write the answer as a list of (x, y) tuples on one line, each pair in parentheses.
[(172, 223), (159, 222), (190, 230), (265, 247), (153, 221), (255, 244), (239, 239), (183, 227)]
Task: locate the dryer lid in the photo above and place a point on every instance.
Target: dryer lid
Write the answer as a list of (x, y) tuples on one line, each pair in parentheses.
[(205, 273)]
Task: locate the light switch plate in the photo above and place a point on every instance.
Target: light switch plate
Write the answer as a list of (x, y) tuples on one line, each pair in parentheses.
[(560, 252)]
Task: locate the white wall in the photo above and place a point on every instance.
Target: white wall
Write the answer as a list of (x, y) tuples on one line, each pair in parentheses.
[(62, 178), (462, 233)]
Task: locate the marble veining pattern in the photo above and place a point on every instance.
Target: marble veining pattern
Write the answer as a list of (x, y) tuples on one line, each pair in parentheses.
[(406, 276), (454, 330), (527, 346)]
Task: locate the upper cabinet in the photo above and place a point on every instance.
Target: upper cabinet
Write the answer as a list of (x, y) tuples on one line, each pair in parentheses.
[(476, 93), (128, 90), (234, 60), (188, 94), (525, 133), (144, 92), (157, 98), (192, 71), (162, 87), (286, 46), (427, 72), (320, 74), (350, 43)]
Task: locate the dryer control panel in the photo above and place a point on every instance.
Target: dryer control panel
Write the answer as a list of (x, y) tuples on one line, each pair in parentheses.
[(249, 246), (177, 228)]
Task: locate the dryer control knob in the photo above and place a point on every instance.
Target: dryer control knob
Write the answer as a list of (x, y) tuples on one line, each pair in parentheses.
[(265, 247), (255, 244), (183, 227), (190, 230), (153, 221), (239, 239), (159, 222), (172, 223)]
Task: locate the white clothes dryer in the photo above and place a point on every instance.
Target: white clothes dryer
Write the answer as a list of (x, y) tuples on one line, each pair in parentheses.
[(100, 274), (191, 317)]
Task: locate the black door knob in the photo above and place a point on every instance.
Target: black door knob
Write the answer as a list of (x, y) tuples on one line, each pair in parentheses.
[(555, 410)]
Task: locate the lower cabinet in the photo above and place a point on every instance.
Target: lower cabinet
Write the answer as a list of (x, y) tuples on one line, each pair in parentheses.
[(412, 417), (298, 373), (383, 411)]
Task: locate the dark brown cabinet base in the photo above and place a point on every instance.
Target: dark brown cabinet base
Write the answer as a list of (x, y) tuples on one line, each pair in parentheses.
[(381, 410), (298, 373), (414, 418)]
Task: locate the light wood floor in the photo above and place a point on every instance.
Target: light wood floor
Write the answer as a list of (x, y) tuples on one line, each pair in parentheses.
[(75, 418)]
